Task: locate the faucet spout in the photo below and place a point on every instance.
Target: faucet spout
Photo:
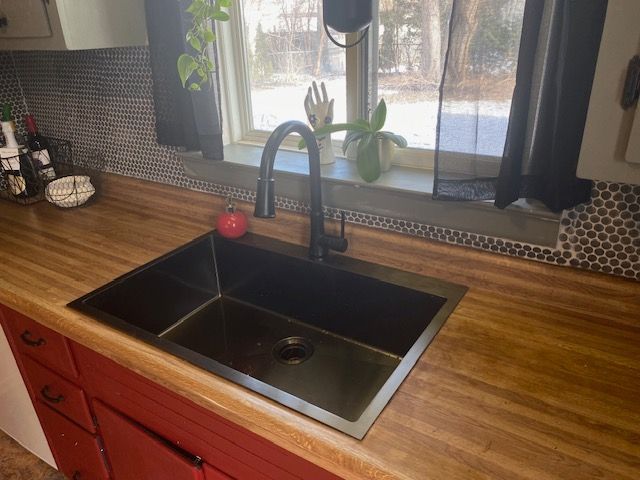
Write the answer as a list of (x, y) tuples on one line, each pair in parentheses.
[(320, 243)]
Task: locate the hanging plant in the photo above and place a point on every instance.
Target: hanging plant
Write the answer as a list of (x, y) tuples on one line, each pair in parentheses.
[(195, 69)]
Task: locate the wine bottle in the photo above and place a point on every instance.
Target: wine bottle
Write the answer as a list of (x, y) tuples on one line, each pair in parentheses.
[(39, 147)]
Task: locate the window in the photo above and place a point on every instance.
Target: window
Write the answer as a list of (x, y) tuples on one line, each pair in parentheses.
[(273, 49), (286, 51)]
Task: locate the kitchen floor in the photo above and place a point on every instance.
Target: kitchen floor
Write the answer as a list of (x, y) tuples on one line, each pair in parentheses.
[(16, 463)]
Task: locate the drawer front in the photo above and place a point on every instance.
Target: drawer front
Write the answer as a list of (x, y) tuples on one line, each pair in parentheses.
[(59, 393), (41, 343), (231, 449), (77, 453), (211, 473)]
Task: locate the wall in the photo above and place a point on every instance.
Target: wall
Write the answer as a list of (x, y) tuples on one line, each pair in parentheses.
[(101, 99), (10, 91)]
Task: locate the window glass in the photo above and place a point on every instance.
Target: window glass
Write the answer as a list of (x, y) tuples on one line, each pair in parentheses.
[(287, 50), (412, 43)]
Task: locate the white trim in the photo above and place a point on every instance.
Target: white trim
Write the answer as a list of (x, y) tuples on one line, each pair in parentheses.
[(234, 84)]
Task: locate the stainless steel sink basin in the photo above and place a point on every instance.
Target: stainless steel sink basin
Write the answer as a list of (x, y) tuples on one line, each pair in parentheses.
[(331, 339)]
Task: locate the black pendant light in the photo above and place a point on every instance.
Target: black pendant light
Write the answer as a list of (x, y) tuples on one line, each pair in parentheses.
[(347, 16)]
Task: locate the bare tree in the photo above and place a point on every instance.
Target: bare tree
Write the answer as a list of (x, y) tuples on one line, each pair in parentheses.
[(431, 36), (322, 40), (463, 29), (296, 18)]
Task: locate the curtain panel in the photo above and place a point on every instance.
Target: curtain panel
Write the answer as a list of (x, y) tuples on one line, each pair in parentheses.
[(192, 120), (512, 113)]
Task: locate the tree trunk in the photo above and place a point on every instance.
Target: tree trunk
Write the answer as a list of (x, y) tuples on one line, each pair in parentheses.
[(322, 41), (464, 27), (431, 55)]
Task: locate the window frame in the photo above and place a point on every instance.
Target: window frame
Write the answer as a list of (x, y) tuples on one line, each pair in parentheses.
[(236, 91)]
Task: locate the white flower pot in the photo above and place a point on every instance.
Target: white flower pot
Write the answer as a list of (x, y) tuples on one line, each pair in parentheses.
[(386, 152)]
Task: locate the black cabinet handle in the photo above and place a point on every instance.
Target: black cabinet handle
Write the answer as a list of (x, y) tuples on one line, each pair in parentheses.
[(631, 90), (27, 339), (50, 398)]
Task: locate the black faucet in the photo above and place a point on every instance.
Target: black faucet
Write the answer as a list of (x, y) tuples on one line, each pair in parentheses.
[(320, 243)]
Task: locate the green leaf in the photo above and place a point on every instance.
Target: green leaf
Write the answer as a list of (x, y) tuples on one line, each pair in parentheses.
[(195, 43), (399, 140), (197, 8), (351, 137), (379, 116), (186, 66), (225, 3), (211, 10), (368, 162), (338, 127), (193, 7), (208, 35), (220, 16), (363, 124)]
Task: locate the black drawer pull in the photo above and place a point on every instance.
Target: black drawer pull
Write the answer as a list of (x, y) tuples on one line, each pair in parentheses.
[(50, 398), (26, 338)]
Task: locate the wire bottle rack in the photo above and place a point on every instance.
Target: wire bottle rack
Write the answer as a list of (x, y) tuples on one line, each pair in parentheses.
[(65, 182)]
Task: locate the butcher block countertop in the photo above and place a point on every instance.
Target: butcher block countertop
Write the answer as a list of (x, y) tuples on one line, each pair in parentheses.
[(536, 374)]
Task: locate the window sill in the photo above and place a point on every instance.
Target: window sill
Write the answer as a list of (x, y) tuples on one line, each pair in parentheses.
[(403, 193)]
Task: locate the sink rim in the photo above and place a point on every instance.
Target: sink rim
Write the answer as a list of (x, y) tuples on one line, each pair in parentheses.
[(452, 293)]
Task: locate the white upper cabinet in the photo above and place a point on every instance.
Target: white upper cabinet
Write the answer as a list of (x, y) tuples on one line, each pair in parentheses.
[(71, 24), (611, 144)]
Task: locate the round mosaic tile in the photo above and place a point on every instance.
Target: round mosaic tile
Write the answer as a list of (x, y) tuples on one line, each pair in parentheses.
[(104, 97)]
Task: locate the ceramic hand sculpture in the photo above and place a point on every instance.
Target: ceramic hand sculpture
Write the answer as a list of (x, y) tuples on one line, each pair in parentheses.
[(320, 113)]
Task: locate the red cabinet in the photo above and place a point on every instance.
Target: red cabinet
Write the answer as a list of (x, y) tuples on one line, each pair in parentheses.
[(211, 473), (48, 347), (148, 432), (228, 447), (77, 452), (59, 393), (136, 454)]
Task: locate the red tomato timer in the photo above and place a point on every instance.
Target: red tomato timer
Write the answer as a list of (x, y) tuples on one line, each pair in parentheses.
[(232, 223)]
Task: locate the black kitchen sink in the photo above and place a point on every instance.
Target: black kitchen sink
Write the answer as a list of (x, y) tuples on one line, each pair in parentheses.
[(332, 339)]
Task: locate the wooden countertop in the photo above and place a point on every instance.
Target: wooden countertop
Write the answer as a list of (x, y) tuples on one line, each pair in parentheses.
[(536, 375)]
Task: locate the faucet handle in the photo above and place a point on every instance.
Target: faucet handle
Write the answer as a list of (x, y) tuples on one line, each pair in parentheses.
[(332, 242)]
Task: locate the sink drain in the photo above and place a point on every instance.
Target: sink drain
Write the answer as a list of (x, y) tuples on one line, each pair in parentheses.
[(292, 350)]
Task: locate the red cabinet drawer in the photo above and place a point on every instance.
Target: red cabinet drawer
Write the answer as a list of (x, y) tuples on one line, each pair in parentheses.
[(219, 442), (211, 473), (137, 454), (41, 343), (77, 453), (59, 393)]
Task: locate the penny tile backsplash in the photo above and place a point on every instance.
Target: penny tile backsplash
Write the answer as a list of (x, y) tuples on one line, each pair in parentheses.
[(103, 99)]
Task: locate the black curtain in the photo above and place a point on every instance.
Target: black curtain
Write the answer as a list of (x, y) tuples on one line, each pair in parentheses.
[(556, 62), (183, 118)]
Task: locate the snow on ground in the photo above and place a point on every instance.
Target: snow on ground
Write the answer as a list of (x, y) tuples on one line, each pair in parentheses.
[(471, 127)]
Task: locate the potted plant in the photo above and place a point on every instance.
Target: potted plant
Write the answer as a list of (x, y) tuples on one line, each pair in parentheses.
[(195, 70), (374, 150), (200, 36)]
